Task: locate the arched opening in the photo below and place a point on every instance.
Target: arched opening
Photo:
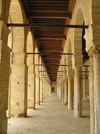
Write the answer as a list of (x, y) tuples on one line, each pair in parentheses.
[(30, 65), (80, 56), (18, 80), (70, 75), (10, 45)]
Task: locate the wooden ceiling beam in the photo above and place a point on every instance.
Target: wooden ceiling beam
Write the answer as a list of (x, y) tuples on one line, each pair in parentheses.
[(46, 36), (47, 25), (51, 49), (49, 15), (48, 4), (48, 1)]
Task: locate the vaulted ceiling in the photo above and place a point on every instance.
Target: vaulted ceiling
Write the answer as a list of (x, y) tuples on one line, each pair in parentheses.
[(50, 39)]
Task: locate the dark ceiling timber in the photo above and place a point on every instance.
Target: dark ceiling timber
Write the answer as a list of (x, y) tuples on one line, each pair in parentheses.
[(46, 25), (49, 21)]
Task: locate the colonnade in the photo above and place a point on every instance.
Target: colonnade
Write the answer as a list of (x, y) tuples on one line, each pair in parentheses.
[(23, 82)]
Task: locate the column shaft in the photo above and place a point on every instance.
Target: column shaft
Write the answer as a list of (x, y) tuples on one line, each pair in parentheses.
[(19, 91), (92, 112), (66, 92), (84, 88), (77, 93), (97, 93), (31, 90), (37, 90), (70, 93), (4, 76), (41, 91)]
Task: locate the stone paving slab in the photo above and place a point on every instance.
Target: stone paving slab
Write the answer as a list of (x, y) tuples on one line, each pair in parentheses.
[(51, 117)]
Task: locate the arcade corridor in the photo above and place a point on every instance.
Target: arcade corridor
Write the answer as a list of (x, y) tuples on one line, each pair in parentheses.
[(51, 117)]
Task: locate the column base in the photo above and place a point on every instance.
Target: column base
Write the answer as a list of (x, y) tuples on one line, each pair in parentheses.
[(20, 115), (37, 103), (66, 103), (30, 108), (70, 108), (3, 126), (78, 115)]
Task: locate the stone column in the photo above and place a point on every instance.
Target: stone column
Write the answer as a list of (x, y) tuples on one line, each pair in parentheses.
[(77, 93), (4, 76), (9, 95), (31, 87), (84, 88), (19, 86), (97, 91), (66, 92), (92, 112), (37, 89), (63, 88), (34, 89), (41, 91), (70, 92)]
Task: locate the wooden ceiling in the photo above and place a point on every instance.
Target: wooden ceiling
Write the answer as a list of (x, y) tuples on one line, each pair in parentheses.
[(50, 40)]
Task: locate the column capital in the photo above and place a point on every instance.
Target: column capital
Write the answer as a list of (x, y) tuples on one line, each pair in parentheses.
[(77, 68), (94, 52), (69, 77)]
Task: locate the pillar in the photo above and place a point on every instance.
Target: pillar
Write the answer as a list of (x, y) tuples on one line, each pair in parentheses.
[(77, 93), (37, 89), (63, 89), (44, 90), (34, 89), (19, 86), (92, 112), (97, 91), (4, 76), (84, 87), (31, 90), (70, 92), (41, 91), (66, 92)]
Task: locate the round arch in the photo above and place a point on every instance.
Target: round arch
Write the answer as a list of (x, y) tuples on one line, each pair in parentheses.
[(16, 16), (29, 48)]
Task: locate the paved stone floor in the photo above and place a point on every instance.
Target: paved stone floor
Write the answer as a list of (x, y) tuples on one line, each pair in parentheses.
[(51, 117)]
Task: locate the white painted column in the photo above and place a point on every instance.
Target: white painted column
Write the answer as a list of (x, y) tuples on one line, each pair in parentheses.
[(70, 92), (77, 93)]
